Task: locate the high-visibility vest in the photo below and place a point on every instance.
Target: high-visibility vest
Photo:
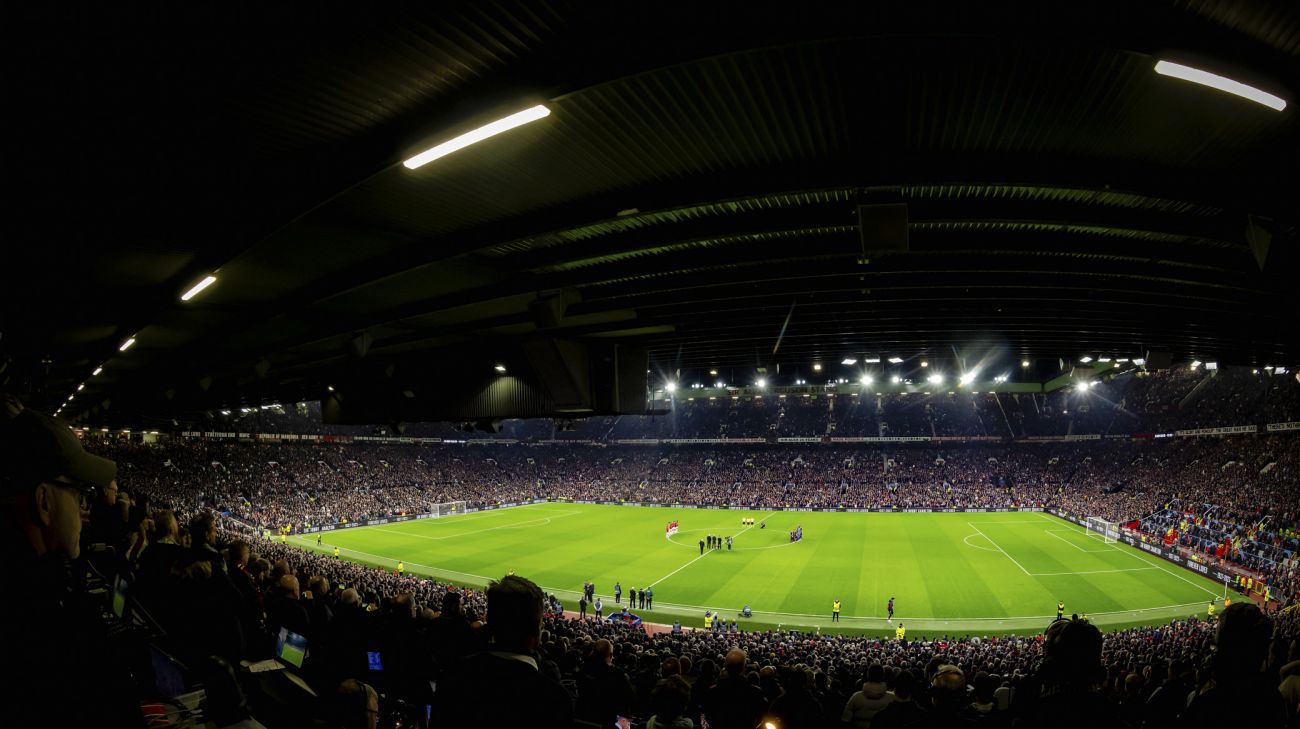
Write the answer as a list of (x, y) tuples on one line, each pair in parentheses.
[(836, 608), (900, 632), (708, 621)]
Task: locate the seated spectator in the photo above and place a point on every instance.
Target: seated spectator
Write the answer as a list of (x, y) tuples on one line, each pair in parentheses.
[(66, 675), (734, 703)]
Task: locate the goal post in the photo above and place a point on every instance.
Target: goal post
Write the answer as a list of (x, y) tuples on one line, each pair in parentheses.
[(447, 508), (1099, 528)]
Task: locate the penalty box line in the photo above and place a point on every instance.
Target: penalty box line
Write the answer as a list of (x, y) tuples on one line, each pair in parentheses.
[(706, 553)]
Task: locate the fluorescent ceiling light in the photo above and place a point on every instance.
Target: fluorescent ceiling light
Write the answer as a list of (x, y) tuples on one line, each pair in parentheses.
[(849, 361), (895, 360), (1122, 359), (97, 371), (478, 135), (1103, 359), (1222, 83), (81, 387), (206, 282), (499, 368), (872, 360), (1085, 359), (127, 344)]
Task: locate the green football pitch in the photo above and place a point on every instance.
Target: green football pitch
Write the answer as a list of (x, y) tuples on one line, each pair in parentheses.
[(950, 573)]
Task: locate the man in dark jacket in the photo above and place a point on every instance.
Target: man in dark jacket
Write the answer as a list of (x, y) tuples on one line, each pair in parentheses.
[(604, 691), (502, 685), (734, 703)]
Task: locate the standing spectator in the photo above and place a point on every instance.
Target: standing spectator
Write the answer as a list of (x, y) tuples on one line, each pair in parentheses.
[(863, 705), (1237, 678), (603, 690), (504, 681), (734, 703)]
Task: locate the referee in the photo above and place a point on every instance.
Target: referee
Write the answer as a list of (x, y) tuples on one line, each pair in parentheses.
[(835, 611)]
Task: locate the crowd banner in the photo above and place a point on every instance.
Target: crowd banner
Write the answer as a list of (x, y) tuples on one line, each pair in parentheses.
[(1229, 430), (1279, 427)]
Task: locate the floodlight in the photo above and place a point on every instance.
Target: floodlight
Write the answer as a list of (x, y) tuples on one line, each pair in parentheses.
[(1103, 359), (872, 360), (935, 379), (924, 363), (1222, 83), (81, 387), (817, 367), (895, 379), (484, 132), (867, 379), (127, 344), (670, 387), (761, 382), (499, 368), (1024, 363), (849, 361), (1085, 359), (895, 360), (1140, 362), (967, 378), (97, 371)]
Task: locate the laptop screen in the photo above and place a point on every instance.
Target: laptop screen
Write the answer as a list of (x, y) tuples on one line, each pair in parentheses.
[(119, 597), (291, 647)]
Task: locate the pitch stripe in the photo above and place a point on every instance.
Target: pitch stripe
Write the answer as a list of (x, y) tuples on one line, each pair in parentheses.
[(1138, 556)]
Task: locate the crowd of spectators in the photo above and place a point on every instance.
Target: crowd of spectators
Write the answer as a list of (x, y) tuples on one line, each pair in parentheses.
[(1239, 488), (179, 527)]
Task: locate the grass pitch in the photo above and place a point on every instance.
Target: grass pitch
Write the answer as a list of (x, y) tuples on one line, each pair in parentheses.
[(950, 573)]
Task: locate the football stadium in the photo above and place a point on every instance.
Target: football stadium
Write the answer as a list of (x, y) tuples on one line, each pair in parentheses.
[(657, 366)]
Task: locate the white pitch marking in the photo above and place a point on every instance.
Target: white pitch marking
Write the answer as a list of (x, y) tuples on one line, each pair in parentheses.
[(545, 519), (976, 546), (999, 548), (1072, 544), (702, 556)]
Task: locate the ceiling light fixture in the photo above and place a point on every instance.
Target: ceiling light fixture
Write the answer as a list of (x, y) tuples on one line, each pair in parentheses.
[(849, 361), (127, 344), (97, 371), (1222, 83), (895, 360), (499, 368), (670, 387), (1024, 363), (872, 360), (504, 124), (206, 282)]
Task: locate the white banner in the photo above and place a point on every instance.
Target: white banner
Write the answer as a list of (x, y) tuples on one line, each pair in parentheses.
[(1229, 430), (1277, 427)]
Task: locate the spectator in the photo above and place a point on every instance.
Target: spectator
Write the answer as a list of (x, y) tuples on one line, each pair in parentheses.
[(863, 706), (67, 676), (734, 703), (1237, 678), (506, 674), (603, 690)]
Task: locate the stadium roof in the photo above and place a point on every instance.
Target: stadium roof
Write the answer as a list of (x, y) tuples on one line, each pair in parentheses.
[(695, 188)]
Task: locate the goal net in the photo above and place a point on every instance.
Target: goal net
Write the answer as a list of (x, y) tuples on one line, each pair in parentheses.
[(1107, 531), (447, 509)]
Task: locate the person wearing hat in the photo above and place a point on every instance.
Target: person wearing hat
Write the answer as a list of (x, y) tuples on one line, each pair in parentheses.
[(46, 483)]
